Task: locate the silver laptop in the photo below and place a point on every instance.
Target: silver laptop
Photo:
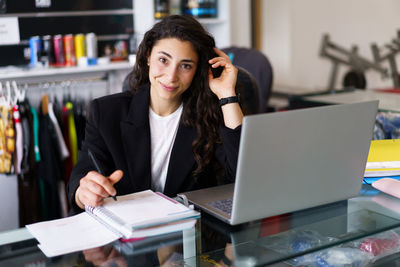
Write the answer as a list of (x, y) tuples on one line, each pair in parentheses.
[(294, 160)]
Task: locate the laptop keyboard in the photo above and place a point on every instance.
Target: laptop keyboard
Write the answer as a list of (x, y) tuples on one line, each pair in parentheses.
[(224, 205)]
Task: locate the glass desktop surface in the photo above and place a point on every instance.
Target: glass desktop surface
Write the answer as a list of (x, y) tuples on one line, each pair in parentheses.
[(286, 239)]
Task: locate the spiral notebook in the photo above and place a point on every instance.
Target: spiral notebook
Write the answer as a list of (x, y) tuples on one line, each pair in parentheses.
[(134, 216)]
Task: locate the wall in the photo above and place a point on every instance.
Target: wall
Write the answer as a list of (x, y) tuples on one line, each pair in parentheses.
[(9, 218), (292, 34), (240, 22)]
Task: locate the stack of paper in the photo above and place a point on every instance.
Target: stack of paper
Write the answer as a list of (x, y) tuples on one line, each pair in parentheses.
[(133, 216), (383, 158)]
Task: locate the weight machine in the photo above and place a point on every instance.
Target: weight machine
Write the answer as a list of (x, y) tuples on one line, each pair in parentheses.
[(388, 52), (349, 57)]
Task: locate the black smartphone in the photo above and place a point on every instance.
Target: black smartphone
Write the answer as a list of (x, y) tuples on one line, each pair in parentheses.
[(216, 71)]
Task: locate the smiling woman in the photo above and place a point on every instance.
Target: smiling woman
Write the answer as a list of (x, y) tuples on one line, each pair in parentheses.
[(172, 65), (169, 133)]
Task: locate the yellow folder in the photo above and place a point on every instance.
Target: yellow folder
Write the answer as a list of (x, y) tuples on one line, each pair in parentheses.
[(384, 150), (383, 157)]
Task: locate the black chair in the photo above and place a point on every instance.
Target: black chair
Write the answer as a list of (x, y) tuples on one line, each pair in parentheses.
[(259, 66), (246, 86)]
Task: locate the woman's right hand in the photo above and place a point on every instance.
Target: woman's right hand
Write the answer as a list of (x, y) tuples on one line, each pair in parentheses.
[(94, 187)]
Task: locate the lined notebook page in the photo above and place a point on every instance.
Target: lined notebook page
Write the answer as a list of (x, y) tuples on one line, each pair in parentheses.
[(146, 208)]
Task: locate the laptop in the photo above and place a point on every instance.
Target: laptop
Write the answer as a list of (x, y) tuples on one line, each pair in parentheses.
[(293, 160)]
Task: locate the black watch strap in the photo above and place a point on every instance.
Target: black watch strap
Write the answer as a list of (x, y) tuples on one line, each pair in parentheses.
[(231, 99)]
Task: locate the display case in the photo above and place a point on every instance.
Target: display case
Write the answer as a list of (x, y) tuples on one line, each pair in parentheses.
[(362, 231)]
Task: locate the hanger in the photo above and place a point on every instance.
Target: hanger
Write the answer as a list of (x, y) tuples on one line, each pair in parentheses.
[(45, 104), (10, 100), (19, 95), (3, 100)]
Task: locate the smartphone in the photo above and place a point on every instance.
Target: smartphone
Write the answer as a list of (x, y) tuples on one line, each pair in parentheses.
[(216, 71)]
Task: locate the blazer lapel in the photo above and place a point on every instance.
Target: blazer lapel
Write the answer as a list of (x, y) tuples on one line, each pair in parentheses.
[(181, 161), (135, 134)]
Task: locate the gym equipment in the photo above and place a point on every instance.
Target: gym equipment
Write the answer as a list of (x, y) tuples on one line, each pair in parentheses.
[(388, 52), (358, 64)]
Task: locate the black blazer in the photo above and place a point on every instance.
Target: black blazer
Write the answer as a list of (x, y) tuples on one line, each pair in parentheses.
[(118, 133)]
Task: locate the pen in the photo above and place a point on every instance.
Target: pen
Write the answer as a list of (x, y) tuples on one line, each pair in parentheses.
[(96, 165)]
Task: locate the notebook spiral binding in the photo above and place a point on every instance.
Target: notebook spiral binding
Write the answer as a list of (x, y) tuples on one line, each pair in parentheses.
[(108, 219)]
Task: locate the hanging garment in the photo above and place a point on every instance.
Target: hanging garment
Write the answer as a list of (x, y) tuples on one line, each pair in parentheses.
[(35, 128), (28, 185), (57, 108), (19, 142), (60, 138), (64, 154), (80, 121), (3, 123), (72, 133), (7, 133), (68, 161), (50, 167), (26, 132)]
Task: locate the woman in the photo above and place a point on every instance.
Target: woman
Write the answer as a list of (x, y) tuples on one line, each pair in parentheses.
[(177, 130)]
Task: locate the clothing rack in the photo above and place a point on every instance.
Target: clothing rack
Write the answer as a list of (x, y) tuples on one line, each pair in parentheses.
[(43, 153), (86, 89)]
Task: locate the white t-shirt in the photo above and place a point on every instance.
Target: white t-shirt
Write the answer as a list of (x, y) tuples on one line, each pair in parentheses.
[(163, 132)]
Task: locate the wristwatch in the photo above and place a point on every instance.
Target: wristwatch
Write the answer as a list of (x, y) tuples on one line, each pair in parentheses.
[(231, 99)]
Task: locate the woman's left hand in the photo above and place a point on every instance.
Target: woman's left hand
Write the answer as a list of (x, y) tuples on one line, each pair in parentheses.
[(224, 85)]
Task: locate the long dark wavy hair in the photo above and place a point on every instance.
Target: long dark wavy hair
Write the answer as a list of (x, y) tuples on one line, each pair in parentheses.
[(200, 105)]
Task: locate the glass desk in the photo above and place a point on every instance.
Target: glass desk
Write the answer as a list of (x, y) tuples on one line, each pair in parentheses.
[(309, 237)]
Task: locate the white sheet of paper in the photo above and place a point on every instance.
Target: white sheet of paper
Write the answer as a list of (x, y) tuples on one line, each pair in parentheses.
[(383, 165), (381, 173), (9, 31), (71, 234), (144, 207)]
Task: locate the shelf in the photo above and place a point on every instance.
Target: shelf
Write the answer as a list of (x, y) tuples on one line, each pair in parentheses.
[(212, 21), (206, 21), (15, 73), (109, 37), (70, 13)]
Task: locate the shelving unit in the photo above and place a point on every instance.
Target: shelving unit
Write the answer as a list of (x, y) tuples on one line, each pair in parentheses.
[(220, 28), (124, 11), (17, 73), (110, 21), (114, 73)]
